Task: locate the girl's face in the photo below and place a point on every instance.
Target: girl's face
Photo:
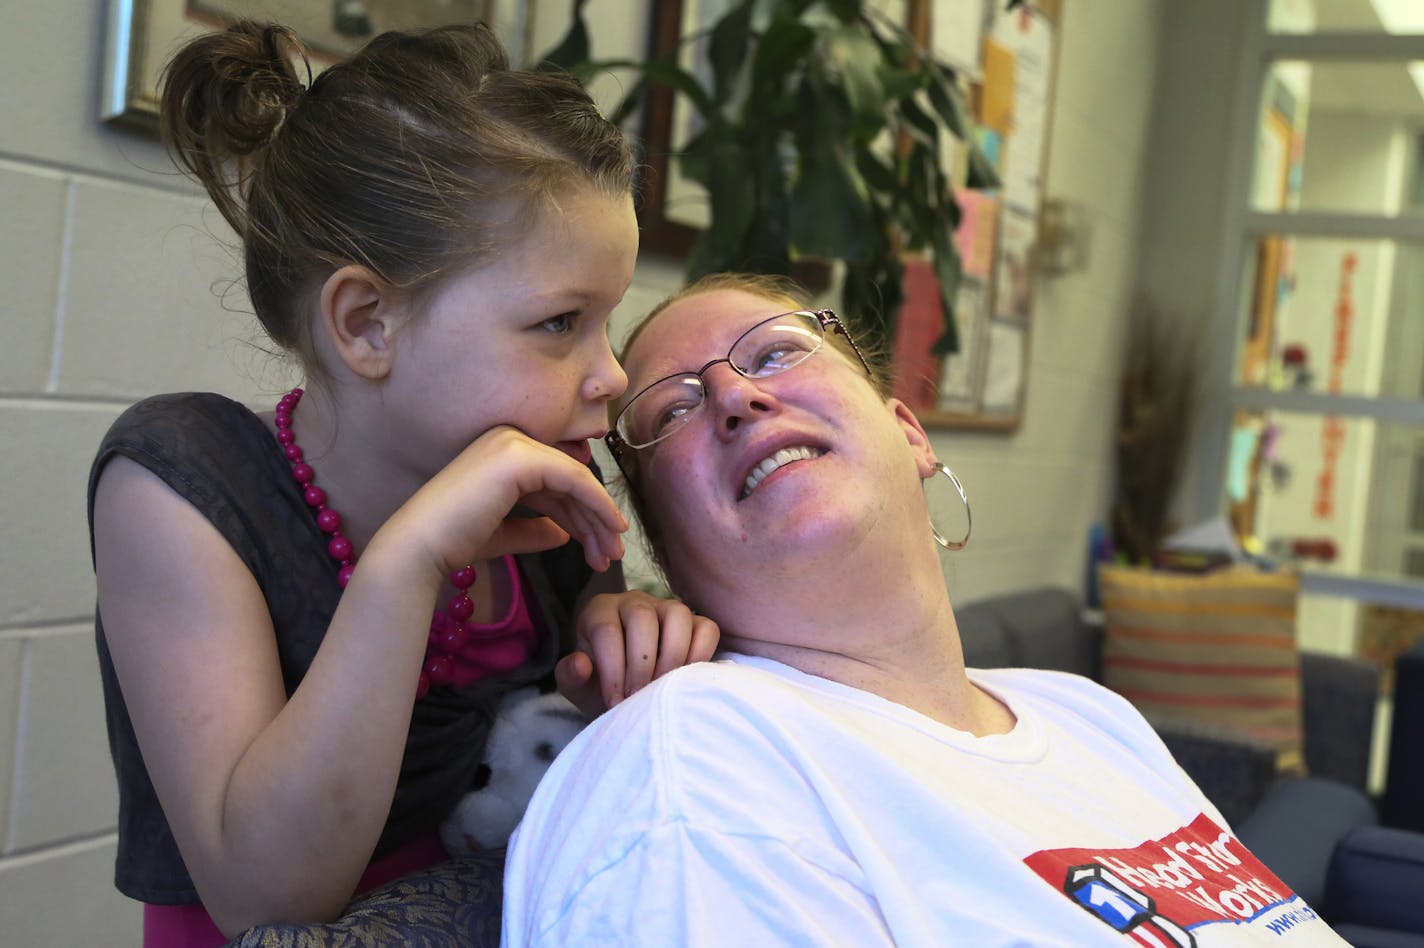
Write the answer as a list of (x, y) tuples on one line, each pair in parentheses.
[(521, 340)]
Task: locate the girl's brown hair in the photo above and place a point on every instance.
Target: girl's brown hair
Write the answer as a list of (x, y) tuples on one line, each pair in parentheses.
[(407, 158)]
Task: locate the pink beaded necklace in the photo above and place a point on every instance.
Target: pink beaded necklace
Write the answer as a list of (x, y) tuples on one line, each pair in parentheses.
[(449, 629)]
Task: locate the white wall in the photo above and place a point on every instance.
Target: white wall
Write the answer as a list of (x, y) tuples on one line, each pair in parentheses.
[(110, 277), (1036, 492)]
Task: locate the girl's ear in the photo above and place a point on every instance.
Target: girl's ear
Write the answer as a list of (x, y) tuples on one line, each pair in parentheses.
[(917, 438), (359, 316)]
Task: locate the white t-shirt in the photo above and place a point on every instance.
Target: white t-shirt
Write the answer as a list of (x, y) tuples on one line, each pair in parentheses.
[(744, 803)]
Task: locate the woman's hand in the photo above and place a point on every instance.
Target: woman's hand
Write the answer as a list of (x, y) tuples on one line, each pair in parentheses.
[(625, 640)]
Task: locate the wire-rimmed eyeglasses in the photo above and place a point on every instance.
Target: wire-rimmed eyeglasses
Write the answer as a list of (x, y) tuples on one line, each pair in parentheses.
[(770, 347)]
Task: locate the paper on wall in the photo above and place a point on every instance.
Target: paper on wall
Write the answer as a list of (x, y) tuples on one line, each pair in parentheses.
[(960, 374), (1003, 373), (956, 32)]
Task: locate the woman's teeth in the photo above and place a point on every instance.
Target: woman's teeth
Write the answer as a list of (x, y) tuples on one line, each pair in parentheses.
[(780, 458)]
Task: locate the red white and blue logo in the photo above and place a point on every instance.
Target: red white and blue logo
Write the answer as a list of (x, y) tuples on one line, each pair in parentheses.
[(1170, 892)]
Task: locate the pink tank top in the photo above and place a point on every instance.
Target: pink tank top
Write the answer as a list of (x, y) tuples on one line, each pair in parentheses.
[(508, 644)]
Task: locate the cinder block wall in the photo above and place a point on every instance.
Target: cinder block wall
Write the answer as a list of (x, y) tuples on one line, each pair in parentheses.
[(114, 284), (107, 267)]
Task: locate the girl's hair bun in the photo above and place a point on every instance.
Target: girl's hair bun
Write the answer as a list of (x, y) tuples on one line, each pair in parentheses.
[(225, 96)]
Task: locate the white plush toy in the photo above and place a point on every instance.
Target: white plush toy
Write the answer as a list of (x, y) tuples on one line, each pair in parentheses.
[(527, 735)]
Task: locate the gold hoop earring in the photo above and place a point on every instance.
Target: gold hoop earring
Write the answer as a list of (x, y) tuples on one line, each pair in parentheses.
[(968, 518)]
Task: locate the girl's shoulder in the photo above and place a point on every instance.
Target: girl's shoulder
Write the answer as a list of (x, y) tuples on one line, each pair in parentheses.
[(184, 429), (212, 451), (182, 413)]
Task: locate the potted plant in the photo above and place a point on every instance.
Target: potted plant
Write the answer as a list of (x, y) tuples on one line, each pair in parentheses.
[(820, 131), (1157, 407)]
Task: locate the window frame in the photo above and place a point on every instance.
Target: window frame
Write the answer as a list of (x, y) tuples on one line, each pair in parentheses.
[(1205, 491)]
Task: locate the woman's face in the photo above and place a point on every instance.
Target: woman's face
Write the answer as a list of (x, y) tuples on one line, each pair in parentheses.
[(773, 474)]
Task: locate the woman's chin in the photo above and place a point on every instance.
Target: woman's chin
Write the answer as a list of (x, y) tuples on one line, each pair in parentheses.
[(799, 531)]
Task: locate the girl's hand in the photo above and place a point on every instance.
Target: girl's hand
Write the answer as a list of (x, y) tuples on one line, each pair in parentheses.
[(463, 514), (627, 639)]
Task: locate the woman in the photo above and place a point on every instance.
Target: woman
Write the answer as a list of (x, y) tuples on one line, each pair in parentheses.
[(839, 777)]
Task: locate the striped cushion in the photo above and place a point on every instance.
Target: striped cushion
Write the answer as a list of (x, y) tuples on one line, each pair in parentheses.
[(1217, 647)]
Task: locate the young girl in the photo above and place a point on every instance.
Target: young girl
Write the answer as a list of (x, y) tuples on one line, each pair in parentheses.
[(307, 617)]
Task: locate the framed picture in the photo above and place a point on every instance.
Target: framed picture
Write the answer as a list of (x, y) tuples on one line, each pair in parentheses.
[(144, 34)]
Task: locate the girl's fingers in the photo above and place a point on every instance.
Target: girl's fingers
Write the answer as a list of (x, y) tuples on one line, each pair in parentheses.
[(574, 675), (645, 633), (603, 638), (527, 535), (549, 482), (705, 636), (633, 638), (675, 638), (601, 544), (563, 487)]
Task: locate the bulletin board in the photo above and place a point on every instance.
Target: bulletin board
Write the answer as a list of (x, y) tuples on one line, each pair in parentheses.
[(1007, 59)]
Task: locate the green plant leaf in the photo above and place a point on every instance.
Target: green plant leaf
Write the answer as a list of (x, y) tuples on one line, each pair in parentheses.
[(780, 54), (920, 219), (769, 234), (949, 271), (850, 59), (920, 123), (727, 48), (892, 38), (872, 293), (829, 213), (899, 83), (982, 176), (847, 11), (693, 159), (630, 102), (664, 71), (727, 174), (573, 49), (947, 98), (879, 176)]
